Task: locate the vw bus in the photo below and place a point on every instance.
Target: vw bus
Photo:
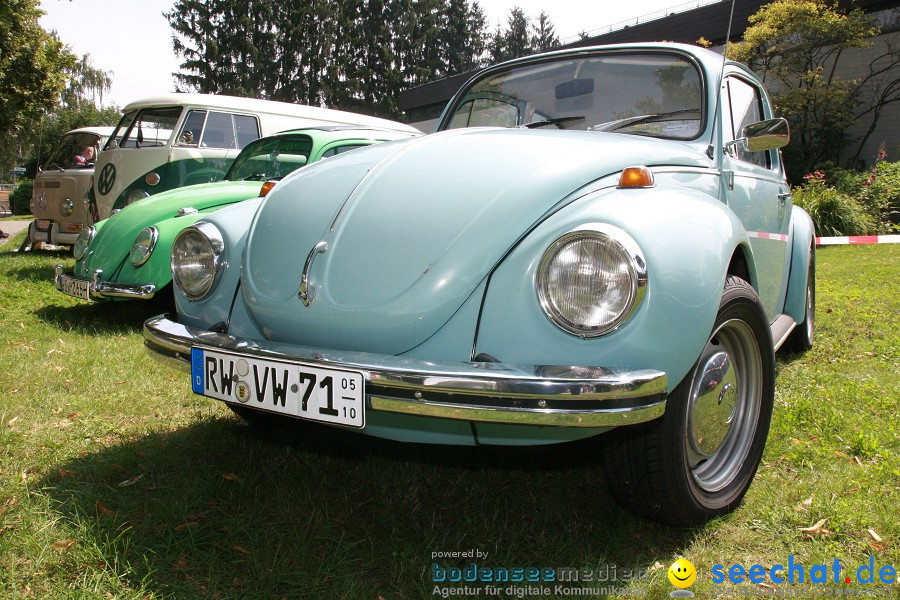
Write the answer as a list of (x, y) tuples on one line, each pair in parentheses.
[(169, 141), (61, 185)]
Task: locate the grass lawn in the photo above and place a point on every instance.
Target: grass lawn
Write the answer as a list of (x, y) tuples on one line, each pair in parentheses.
[(116, 481)]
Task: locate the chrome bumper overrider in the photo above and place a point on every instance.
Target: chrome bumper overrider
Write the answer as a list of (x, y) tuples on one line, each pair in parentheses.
[(102, 290), (470, 391)]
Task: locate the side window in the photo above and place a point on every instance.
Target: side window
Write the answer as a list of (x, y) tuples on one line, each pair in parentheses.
[(485, 112), (192, 129), (340, 149), (219, 131), (246, 128), (746, 108)]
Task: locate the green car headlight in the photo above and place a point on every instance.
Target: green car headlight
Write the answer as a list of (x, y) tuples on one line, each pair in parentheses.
[(82, 242), (143, 246), (135, 196), (198, 257), (591, 280)]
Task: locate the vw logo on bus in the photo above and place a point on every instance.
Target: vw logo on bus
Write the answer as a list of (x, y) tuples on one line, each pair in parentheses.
[(107, 179)]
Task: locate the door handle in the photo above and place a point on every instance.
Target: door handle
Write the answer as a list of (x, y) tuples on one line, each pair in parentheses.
[(783, 197)]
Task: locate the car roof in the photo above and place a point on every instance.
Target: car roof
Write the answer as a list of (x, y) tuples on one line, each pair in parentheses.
[(254, 105), (324, 134), (101, 131)]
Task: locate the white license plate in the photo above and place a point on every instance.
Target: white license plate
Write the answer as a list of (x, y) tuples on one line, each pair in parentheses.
[(79, 288), (309, 392)]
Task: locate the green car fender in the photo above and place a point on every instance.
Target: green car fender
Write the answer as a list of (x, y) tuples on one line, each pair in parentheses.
[(157, 270)]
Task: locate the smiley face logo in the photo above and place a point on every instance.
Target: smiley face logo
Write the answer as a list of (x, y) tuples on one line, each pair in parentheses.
[(682, 573)]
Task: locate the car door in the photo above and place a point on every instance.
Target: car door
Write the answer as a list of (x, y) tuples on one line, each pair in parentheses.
[(757, 191)]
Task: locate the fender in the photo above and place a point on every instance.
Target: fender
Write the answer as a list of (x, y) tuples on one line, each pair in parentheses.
[(802, 250), (688, 239), (233, 223), (157, 269)]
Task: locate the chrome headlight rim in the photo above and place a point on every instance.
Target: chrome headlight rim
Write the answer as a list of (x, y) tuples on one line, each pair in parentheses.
[(216, 242), (149, 235), (136, 196), (66, 207), (637, 269), (83, 242)]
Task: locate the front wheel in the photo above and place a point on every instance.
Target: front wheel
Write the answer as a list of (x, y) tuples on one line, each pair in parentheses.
[(698, 460)]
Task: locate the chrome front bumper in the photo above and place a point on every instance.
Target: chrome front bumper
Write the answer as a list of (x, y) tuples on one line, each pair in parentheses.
[(469, 391), (103, 290)]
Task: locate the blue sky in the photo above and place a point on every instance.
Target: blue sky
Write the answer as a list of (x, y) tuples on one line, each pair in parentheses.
[(132, 39)]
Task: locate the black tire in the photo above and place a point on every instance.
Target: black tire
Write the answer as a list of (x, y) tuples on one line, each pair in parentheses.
[(801, 339), (681, 469)]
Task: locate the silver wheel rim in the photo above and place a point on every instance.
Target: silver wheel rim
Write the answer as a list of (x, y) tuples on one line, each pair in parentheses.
[(723, 406)]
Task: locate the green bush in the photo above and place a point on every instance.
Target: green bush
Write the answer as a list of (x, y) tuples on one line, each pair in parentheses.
[(20, 198), (881, 195), (833, 212), (876, 190)]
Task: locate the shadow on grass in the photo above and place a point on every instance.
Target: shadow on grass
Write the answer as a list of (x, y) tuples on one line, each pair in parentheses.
[(310, 511), (100, 317)]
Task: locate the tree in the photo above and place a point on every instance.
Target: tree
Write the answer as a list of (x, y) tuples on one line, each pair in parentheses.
[(796, 45), (33, 67), (544, 34), (515, 41), (348, 54), (86, 83)]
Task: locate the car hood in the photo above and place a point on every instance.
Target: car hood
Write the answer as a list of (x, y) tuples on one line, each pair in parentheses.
[(114, 238), (411, 229)]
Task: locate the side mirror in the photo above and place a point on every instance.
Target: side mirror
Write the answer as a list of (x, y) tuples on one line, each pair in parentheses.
[(763, 135), (767, 135)]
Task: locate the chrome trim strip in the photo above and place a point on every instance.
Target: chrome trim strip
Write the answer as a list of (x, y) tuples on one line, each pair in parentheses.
[(102, 290), (307, 293), (470, 391)]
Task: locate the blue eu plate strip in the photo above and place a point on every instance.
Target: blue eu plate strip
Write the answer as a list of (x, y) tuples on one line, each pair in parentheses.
[(197, 370)]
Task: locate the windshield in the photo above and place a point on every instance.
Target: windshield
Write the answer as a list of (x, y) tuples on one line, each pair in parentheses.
[(75, 151), (650, 94), (271, 158), (124, 123), (151, 127)]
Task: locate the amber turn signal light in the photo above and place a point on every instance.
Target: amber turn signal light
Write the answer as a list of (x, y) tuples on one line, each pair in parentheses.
[(636, 177), (267, 187)]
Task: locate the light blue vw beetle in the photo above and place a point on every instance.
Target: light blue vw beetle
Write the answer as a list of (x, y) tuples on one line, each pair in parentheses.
[(597, 240)]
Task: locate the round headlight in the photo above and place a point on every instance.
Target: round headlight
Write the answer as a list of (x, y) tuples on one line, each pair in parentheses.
[(143, 246), (66, 207), (135, 195), (591, 280), (82, 242), (197, 257)]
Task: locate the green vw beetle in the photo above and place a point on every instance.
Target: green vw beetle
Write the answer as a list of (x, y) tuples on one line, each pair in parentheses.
[(127, 255)]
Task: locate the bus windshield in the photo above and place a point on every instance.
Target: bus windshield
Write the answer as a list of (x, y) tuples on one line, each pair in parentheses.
[(151, 127), (75, 151)]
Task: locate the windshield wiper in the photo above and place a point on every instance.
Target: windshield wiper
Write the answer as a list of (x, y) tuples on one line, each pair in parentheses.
[(651, 118), (556, 121)]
